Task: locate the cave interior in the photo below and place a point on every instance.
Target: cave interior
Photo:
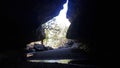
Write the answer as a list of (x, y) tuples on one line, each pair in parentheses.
[(21, 18)]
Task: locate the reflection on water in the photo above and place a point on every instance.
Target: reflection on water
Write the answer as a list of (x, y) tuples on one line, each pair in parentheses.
[(63, 61), (29, 54)]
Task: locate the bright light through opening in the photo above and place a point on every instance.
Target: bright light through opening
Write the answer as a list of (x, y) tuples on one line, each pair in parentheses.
[(56, 29), (61, 18)]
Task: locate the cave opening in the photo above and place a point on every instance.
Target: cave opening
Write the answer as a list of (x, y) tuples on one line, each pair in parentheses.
[(56, 29)]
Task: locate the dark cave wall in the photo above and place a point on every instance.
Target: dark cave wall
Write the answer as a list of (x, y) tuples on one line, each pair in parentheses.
[(21, 18), (82, 14)]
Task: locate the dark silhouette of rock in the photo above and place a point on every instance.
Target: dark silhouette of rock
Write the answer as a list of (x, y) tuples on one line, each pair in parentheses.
[(49, 48), (20, 19), (39, 47)]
